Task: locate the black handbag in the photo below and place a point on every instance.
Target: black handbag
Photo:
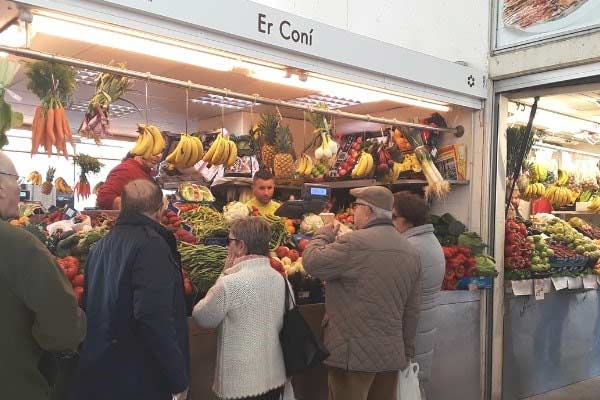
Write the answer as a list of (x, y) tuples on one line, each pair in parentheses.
[(301, 348), (60, 371)]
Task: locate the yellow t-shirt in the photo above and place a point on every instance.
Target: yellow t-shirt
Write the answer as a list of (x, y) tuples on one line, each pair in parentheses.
[(269, 209)]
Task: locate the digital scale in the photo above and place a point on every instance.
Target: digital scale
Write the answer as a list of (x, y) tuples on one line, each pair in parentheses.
[(313, 199)]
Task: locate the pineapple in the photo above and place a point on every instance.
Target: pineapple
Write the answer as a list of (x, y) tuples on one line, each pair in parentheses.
[(283, 162), (47, 186), (268, 129)]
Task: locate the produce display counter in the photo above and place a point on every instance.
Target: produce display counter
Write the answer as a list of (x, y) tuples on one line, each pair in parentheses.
[(457, 338)]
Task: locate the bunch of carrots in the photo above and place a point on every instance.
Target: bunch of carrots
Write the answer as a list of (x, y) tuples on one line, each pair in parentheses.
[(51, 127), (87, 164)]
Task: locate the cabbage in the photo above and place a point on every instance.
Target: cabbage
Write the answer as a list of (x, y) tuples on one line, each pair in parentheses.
[(310, 224), (235, 210)]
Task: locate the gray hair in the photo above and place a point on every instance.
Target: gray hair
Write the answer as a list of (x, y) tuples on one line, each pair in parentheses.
[(142, 196), (255, 232), (380, 213)]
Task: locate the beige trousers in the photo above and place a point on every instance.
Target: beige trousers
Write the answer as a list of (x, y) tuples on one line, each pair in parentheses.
[(354, 385)]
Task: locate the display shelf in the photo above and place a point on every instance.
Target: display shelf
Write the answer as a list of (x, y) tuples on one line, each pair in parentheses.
[(573, 213), (370, 182)]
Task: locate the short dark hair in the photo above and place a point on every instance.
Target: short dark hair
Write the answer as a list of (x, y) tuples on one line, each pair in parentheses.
[(263, 174), (255, 232), (412, 208), (142, 196)]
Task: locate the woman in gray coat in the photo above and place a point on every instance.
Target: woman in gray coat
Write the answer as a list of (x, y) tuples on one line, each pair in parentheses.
[(411, 219)]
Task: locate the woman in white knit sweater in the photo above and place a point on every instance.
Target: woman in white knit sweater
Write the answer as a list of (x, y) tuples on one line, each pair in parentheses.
[(246, 304)]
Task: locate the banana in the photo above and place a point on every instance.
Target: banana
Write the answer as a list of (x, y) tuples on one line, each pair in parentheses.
[(226, 151), (159, 141), (188, 153), (232, 154), (183, 153), (200, 147), (309, 165), (171, 157), (209, 156), (370, 165), (143, 144), (148, 153), (360, 167), (301, 165)]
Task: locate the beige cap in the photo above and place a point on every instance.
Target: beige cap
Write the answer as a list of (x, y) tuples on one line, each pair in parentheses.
[(377, 196)]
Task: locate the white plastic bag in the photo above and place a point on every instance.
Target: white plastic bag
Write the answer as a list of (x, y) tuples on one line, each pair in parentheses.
[(408, 384)]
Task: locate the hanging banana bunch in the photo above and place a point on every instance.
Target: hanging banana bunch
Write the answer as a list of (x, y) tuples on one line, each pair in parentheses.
[(150, 142), (558, 194), (188, 152), (223, 151)]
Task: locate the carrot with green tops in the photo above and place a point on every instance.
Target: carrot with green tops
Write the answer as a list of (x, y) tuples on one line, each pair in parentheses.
[(60, 135), (50, 135), (36, 130)]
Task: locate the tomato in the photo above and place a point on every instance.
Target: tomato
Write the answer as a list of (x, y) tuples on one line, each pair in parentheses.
[(71, 272), (71, 261), (79, 295), (78, 280)]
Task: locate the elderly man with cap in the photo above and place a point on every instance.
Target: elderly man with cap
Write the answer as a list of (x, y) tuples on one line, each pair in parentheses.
[(38, 307), (372, 304)]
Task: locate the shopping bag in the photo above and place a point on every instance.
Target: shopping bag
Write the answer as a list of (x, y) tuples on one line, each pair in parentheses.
[(408, 384), (301, 348)]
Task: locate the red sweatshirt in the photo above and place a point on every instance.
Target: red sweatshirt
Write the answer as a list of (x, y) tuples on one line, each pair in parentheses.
[(120, 176)]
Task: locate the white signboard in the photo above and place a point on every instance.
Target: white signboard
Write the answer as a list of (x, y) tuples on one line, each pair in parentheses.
[(520, 22)]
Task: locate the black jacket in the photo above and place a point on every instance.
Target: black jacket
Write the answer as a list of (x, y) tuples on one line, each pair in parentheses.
[(137, 341)]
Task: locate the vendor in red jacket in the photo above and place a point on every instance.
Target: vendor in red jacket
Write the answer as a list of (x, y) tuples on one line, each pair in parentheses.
[(132, 168)]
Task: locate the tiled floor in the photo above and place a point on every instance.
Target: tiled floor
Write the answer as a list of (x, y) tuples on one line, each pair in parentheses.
[(586, 390)]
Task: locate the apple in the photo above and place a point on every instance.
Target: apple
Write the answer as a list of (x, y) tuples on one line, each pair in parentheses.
[(342, 172), (286, 261), (282, 251), (293, 255), (355, 146)]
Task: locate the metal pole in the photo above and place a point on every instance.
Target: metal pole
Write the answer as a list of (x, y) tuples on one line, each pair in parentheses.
[(37, 55)]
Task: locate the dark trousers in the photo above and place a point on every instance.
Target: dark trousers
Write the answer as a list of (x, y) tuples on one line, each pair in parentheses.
[(274, 394)]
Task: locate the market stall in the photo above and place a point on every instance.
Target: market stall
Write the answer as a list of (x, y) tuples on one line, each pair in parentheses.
[(550, 240), (90, 92)]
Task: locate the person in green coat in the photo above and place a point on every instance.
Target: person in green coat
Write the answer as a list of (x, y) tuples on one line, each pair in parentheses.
[(37, 304)]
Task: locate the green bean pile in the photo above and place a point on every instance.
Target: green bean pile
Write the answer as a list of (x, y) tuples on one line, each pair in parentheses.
[(203, 264), (205, 222), (279, 233)]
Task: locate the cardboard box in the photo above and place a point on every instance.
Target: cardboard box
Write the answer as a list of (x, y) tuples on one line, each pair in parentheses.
[(451, 161)]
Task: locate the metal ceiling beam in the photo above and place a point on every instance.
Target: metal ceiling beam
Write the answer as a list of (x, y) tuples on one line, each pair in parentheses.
[(254, 98)]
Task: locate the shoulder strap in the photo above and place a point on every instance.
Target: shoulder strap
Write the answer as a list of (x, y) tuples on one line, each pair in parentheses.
[(286, 303)]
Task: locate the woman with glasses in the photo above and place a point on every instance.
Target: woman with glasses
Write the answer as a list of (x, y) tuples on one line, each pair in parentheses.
[(246, 304), (411, 219)]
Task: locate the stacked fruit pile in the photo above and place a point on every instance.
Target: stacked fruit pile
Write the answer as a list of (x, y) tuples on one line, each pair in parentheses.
[(561, 232), (70, 266), (35, 178), (517, 250), (540, 260)]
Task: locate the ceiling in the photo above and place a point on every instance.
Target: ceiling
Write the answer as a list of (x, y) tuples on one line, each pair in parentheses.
[(166, 104)]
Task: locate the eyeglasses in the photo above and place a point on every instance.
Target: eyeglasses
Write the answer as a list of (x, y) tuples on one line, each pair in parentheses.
[(230, 239), (17, 177), (356, 204)]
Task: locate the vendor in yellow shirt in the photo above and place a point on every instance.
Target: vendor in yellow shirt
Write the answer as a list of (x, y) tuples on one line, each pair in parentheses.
[(263, 187)]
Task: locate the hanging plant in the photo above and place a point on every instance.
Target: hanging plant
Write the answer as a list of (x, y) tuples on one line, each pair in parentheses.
[(54, 84), (109, 88), (8, 118), (87, 164)]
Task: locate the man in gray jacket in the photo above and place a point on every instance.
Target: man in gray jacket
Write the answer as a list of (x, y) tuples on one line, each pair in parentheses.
[(373, 278)]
